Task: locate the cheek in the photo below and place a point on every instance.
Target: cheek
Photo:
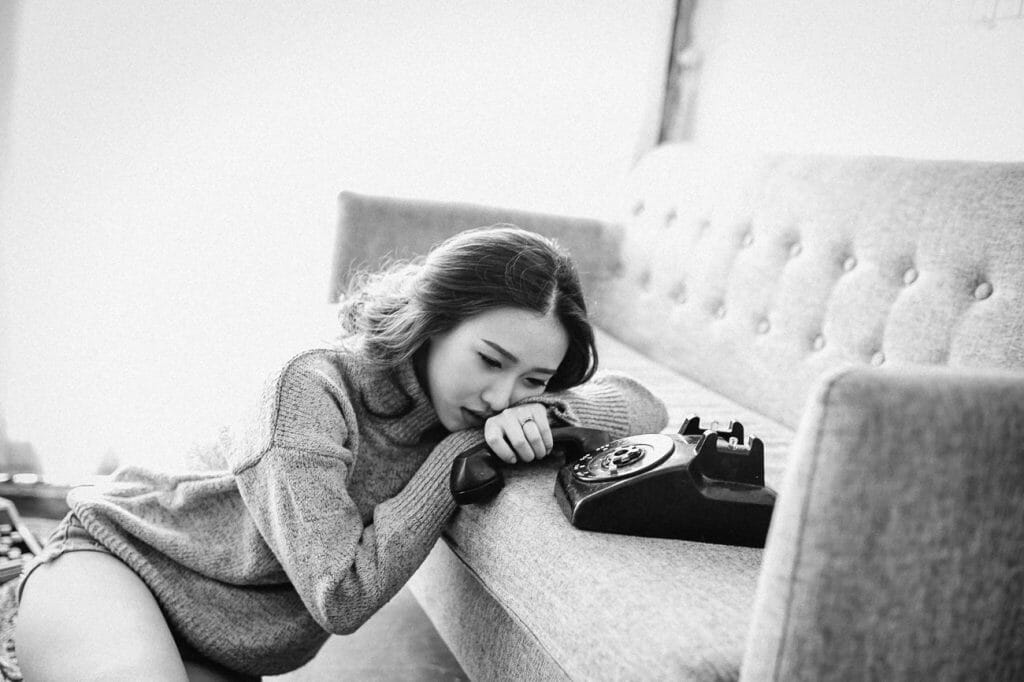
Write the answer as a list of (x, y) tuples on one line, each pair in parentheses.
[(450, 383), (463, 382), (440, 387)]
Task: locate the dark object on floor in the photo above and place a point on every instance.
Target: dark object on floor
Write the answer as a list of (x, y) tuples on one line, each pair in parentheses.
[(34, 496), (9, 670), (18, 543)]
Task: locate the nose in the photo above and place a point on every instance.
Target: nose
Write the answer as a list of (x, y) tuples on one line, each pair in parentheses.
[(497, 395)]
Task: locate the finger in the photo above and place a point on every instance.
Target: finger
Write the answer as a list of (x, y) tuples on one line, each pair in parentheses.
[(535, 417), (544, 427), (494, 435), (519, 443), (532, 433)]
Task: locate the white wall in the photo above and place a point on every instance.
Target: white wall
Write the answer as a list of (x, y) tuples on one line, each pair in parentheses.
[(8, 21), (918, 78), (169, 201)]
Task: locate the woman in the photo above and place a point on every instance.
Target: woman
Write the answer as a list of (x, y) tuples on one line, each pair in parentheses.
[(317, 516)]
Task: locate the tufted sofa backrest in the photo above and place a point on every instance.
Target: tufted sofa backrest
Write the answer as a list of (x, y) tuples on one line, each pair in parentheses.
[(754, 275)]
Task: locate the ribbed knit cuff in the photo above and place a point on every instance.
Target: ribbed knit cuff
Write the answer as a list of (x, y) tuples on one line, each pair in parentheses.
[(426, 502), (612, 402), (597, 405)]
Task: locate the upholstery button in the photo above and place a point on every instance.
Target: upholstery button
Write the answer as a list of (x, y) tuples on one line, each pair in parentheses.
[(850, 263), (763, 325), (878, 358), (678, 293), (638, 208), (720, 311), (818, 343), (795, 249), (909, 276), (748, 239), (671, 217), (983, 291), (645, 278)]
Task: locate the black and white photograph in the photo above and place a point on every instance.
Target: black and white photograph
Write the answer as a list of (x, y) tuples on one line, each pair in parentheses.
[(511, 340)]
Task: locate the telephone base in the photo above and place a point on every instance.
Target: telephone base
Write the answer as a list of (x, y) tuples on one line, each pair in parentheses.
[(686, 487)]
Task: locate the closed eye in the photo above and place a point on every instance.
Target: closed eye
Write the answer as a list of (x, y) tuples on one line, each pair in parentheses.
[(492, 363)]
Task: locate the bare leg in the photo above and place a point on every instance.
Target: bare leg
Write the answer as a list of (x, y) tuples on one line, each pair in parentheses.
[(87, 616)]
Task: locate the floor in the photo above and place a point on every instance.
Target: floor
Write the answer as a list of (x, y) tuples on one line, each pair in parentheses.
[(398, 644)]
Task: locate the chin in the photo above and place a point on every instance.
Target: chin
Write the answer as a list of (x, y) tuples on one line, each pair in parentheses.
[(458, 420), (453, 421)]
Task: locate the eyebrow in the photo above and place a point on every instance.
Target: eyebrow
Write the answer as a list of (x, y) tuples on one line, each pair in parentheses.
[(509, 356)]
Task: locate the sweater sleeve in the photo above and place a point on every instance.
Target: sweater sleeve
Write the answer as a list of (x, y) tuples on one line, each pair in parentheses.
[(611, 401), (297, 492)]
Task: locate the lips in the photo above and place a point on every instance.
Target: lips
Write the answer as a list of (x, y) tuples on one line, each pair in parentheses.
[(473, 417)]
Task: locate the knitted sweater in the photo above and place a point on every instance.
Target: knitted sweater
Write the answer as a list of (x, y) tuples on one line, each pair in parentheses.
[(318, 512)]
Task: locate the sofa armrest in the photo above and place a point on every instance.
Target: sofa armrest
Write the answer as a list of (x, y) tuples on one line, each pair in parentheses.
[(372, 229), (895, 551)]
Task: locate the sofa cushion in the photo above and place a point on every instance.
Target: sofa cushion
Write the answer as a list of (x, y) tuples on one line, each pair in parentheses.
[(684, 396), (758, 274), (518, 592)]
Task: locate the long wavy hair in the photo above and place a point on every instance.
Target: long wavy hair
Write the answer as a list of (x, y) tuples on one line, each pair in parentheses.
[(393, 312)]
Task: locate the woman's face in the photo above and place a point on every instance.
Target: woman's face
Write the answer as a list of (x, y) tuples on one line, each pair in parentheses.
[(491, 361)]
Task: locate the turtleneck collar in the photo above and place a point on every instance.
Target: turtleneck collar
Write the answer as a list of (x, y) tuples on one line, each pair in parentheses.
[(397, 398)]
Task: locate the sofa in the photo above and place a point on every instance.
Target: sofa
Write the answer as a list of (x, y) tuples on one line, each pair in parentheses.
[(864, 317)]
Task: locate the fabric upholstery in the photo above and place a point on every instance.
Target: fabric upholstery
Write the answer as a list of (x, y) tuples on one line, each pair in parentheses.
[(757, 274), (600, 610), (895, 553), (684, 397), (373, 230), (491, 642)]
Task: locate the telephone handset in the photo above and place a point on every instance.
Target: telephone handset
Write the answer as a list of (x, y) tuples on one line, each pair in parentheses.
[(476, 478), (703, 484)]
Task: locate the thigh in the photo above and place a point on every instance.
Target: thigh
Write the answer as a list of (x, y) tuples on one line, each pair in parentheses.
[(88, 616)]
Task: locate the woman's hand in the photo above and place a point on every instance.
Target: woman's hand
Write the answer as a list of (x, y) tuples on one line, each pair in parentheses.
[(521, 432)]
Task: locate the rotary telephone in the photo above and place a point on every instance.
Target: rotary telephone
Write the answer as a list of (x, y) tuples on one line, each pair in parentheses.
[(703, 484)]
